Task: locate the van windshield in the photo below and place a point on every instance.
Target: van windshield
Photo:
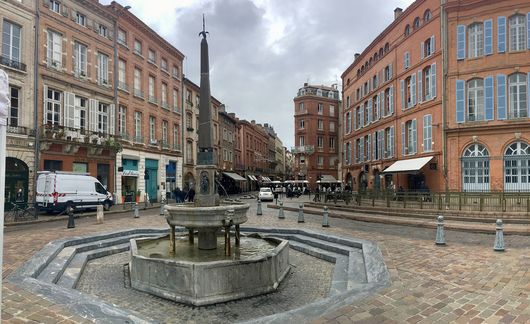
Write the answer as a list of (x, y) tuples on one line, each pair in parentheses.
[(100, 189)]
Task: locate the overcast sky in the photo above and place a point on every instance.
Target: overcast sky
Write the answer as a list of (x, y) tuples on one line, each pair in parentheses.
[(262, 51)]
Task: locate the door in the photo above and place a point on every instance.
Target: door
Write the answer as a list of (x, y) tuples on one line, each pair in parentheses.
[(16, 183), (151, 184)]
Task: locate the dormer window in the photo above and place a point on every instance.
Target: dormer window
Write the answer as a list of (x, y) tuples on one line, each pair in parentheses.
[(55, 6), (80, 19), (151, 58)]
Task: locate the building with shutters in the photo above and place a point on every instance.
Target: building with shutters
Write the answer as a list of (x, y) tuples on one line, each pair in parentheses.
[(17, 60), (439, 100), (488, 95), (149, 110), (76, 105), (316, 118)]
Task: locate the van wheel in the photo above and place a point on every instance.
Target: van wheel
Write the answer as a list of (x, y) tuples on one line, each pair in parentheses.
[(106, 206)]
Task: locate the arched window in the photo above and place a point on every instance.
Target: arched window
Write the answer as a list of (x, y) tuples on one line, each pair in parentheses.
[(517, 95), (475, 100), (407, 30), (517, 33), (387, 47), (370, 62), (416, 24), (427, 15), (358, 72), (476, 168), (517, 167), (476, 40), (381, 52), (375, 56)]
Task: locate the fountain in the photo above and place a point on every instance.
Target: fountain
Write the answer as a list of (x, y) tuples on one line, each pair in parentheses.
[(200, 273)]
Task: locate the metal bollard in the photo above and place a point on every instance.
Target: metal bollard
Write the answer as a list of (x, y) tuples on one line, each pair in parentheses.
[(301, 214), (136, 210), (499, 237), (440, 236), (325, 220), (281, 215), (258, 210), (162, 206), (71, 220), (99, 215)]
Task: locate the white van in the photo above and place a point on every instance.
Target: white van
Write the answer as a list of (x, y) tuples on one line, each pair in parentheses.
[(57, 191)]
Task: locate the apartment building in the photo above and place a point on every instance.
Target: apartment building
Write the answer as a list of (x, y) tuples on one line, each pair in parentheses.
[(488, 95), (149, 115), (254, 152), (392, 127), (316, 120), (76, 105), (17, 60)]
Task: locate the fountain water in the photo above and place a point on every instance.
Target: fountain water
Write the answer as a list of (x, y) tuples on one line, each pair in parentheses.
[(200, 274)]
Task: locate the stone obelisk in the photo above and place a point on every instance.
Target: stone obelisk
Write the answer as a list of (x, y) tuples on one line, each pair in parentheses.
[(206, 160)]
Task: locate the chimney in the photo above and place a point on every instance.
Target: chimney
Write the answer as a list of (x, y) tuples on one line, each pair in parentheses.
[(397, 12), (356, 56), (253, 122), (305, 84), (233, 115)]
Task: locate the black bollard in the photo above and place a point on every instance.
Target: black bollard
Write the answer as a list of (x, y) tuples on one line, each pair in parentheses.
[(71, 220)]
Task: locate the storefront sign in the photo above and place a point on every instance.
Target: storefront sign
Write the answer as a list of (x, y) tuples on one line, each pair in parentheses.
[(130, 173)]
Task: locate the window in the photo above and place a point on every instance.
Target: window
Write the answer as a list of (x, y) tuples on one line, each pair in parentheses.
[(320, 124), (408, 137), (137, 47), (374, 82), (407, 30), (475, 168), (80, 112), (517, 33), (331, 111), (476, 40), (517, 95), (138, 127), (302, 124), (163, 64), (151, 57), (122, 121), (55, 50), (517, 167), (80, 60), (122, 37), (122, 75), (388, 72), (164, 132), (301, 107), (176, 137), (347, 101), (12, 117), (138, 83), (320, 109), (320, 142), (428, 47), (301, 141), (164, 95), (332, 143), (426, 16), (386, 102), (102, 118), (475, 100), (10, 42), (332, 126), (152, 97), (152, 129), (55, 6), (53, 107), (359, 119), (408, 92), (80, 19), (406, 60), (176, 73), (189, 125), (427, 83), (103, 31), (103, 69), (320, 160), (427, 133), (389, 142), (416, 23), (175, 100)]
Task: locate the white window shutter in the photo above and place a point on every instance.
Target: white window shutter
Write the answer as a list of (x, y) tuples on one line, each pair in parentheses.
[(69, 109), (402, 87), (391, 103), (112, 119), (414, 137), (92, 107), (377, 110), (390, 68), (369, 148), (433, 45), (420, 86), (422, 50), (403, 138), (391, 145), (45, 100), (433, 80), (413, 89)]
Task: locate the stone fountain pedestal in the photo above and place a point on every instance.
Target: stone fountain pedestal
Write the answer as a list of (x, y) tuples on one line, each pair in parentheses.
[(207, 196)]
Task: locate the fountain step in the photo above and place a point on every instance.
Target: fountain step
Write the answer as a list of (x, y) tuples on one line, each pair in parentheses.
[(54, 269), (73, 271), (319, 243)]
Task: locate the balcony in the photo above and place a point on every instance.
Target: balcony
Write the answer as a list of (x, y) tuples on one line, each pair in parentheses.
[(19, 130), (176, 109), (139, 93), (165, 145), (153, 142), (152, 99), (80, 74), (73, 138), (176, 147), (139, 140), (125, 137), (6, 61), (151, 60), (307, 149), (123, 86), (164, 105), (104, 82)]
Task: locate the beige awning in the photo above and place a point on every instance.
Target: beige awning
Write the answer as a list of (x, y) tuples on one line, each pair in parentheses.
[(410, 165), (234, 176)]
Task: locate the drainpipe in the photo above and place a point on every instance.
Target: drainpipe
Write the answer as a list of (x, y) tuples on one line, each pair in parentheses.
[(116, 107), (182, 127), (35, 104), (445, 58)]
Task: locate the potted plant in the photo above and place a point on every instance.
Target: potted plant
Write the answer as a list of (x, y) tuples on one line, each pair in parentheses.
[(123, 194), (138, 195)]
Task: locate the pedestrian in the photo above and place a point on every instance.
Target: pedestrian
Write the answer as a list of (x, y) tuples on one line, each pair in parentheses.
[(191, 194), (178, 195)]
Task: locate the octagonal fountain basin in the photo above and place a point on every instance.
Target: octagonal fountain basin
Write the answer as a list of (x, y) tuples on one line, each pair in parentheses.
[(189, 216), (200, 277)]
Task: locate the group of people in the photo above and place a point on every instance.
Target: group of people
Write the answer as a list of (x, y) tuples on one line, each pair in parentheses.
[(181, 195)]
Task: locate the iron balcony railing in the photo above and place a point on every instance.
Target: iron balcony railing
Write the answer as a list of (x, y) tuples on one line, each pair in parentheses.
[(176, 109), (77, 135), (20, 130), (125, 137), (139, 139), (152, 99), (139, 93), (123, 86), (176, 147), (15, 64), (165, 145), (164, 105)]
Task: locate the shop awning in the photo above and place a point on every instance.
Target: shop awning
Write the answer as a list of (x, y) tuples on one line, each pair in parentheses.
[(265, 179), (234, 176), (252, 178), (328, 178), (410, 165)]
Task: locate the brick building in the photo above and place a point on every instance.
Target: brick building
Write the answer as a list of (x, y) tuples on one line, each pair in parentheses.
[(76, 89), (488, 95), (17, 60), (316, 121), (149, 115), (407, 125), (392, 94), (254, 152)]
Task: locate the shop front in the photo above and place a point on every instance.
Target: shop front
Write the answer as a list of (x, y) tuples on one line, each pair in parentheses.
[(151, 176), (129, 180), (171, 178), (16, 183)]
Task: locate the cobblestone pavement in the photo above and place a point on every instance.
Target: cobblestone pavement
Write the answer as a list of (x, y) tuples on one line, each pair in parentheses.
[(463, 282), (308, 280)]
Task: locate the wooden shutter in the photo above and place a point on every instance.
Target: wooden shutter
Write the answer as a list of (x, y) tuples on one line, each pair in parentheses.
[(460, 42), (488, 37), (69, 109), (420, 89), (92, 115), (460, 100), (501, 34), (501, 96), (488, 97)]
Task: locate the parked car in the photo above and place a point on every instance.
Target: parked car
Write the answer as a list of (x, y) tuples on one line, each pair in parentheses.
[(57, 191), (265, 194)]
